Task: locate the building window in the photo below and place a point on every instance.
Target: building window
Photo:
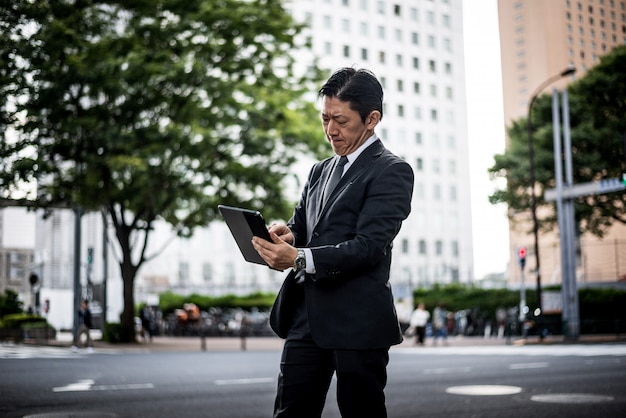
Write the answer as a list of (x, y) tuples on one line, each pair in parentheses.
[(328, 23), (399, 60), (418, 112), (455, 248), (364, 29), (452, 167), (364, 54), (433, 90), (416, 63), (430, 17), (448, 68), (183, 273), (416, 87), (345, 25), (398, 33), (453, 193), (432, 66), (401, 111), (422, 247), (207, 272), (381, 57), (346, 51), (381, 32), (451, 142), (433, 115), (415, 40), (437, 192), (418, 138), (431, 41), (438, 247), (446, 20), (396, 10), (380, 7), (419, 164), (400, 85), (419, 190)]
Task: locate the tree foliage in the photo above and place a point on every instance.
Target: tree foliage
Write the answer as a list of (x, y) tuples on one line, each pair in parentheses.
[(148, 110), (597, 104)]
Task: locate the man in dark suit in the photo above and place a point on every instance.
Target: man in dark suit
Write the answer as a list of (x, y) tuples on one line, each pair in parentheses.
[(336, 309)]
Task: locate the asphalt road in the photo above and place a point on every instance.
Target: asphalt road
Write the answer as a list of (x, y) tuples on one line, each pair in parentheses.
[(576, 380)]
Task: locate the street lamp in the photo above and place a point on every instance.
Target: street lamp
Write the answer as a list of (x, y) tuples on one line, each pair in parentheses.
[(531, 156)]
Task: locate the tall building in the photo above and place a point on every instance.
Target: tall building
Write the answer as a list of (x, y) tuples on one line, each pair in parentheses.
[(540, 39), (415, 47)]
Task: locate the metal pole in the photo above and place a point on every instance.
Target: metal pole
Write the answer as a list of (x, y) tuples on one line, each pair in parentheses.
[(531, 157), (558, 168), (105, 270), (570, 231), (522, 304), (77, 289)]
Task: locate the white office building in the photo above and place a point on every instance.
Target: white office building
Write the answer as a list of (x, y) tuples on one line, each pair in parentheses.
[(415, 47)]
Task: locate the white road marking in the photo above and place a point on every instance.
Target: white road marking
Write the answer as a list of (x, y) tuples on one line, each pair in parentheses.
[(570, 398), (444, 370), (484, 390), (520, 366), (81, 385), (245, 381), (88, 384)]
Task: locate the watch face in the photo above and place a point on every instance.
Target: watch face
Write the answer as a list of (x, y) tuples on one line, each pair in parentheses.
[(300, 262)]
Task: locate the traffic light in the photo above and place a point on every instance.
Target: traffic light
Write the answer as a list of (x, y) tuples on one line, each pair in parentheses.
[(624, 179), (89, 255), (521, 256)]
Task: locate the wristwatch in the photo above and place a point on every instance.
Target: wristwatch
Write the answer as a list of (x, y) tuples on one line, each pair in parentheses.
[(300, 262)]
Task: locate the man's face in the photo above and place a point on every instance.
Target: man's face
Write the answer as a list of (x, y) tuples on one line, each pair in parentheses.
[(343, 126)]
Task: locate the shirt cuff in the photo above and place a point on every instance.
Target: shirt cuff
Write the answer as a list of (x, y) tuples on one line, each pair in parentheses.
[(310, 265)]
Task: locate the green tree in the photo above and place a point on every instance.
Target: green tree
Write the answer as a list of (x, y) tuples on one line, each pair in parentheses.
[(598, 133), (10, 303), (148, 110)]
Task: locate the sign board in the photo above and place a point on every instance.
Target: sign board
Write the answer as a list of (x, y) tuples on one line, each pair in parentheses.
[(585, 189)]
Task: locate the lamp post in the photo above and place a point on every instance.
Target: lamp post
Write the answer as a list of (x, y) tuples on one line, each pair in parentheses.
[(531, 156)]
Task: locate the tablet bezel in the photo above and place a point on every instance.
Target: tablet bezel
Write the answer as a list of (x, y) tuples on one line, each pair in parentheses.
[(243, 225)]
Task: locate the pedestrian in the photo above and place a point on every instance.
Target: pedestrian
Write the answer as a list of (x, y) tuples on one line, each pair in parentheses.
[(147, 319), (440, 324), (84, 327), (418, 321), (335, 308)]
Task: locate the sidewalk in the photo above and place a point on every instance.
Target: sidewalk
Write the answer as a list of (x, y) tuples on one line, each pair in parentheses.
[(191, 344)]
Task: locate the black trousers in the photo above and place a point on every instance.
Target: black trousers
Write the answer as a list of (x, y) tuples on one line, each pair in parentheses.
[(306, 372)]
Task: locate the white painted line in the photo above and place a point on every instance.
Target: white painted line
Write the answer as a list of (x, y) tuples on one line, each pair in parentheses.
[(124, 387), (245, 381), (520, 366), (87, 385), (445, 370), (570, 398), (484, 390), (81, 385)]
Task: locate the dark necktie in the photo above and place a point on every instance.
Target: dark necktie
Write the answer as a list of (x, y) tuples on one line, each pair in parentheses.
[(335, 176)]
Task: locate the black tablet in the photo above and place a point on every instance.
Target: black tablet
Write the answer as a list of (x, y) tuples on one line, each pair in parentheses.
[(244, 224)]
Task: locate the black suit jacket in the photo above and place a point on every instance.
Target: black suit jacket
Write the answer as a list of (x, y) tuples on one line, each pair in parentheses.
[(349, 299)]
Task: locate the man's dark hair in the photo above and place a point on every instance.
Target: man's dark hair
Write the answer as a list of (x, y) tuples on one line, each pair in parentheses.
[(360, 88)]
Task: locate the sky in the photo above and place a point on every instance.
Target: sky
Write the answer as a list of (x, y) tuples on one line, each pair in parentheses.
[(483, 78)]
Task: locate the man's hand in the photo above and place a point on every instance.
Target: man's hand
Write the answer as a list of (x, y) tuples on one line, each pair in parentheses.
[(278, 254)]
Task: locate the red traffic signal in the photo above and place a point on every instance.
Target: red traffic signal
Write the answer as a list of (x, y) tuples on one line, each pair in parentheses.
[(522, 253)]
